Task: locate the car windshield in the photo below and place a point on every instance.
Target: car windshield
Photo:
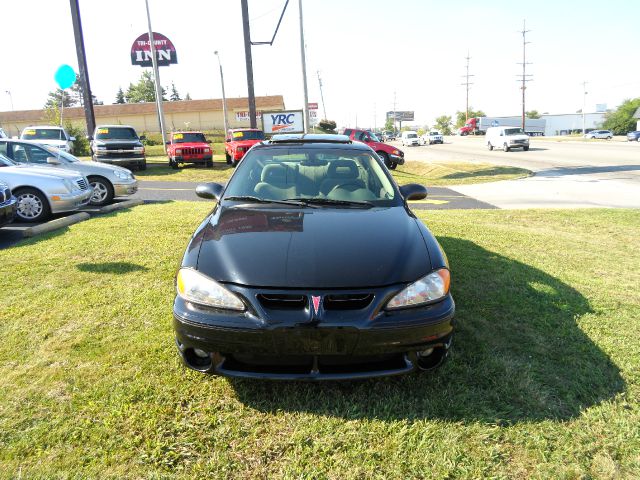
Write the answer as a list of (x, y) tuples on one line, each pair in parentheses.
[(5, 162), (513, 131), (116, 133), (43, 134), (247, 135), (187, 137), (322, 176), (412, 135), (61, 154), (434, 133)]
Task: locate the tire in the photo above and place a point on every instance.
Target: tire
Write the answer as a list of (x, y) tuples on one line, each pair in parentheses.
[(505, 148), (489, 146), (102, 191), (228, 157), (173, 164), (385, 158), (33, 206), (526, 149), (608, 138), (393, 166), (142, 166), (209, 164)]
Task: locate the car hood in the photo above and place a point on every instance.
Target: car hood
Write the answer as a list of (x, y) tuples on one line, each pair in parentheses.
[(517, 137), (51, 143), (90, 167), (116, 141), (312, 248), (23, 171), (192, 145), (245, 143)]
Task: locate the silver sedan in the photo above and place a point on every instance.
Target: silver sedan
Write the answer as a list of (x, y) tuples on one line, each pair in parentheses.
[(41, 192), (108, 181)]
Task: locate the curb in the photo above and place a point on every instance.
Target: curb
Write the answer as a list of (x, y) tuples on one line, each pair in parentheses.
[(120, 206), (55, 224)]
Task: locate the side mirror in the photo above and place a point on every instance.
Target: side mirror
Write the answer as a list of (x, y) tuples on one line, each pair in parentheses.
[(208, 141), (90, 137), (413, 191), (167, 143), (53, 161), (72, 139), (143, 137), (210, 191), (228, 139)]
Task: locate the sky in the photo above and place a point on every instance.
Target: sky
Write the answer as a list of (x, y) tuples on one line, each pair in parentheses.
[(367, 52)]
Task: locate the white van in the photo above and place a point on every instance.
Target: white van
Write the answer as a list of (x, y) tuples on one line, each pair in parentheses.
[(410, 138), (507, 138)]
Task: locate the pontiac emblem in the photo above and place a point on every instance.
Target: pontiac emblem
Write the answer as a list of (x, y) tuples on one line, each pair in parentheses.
[(316, 303)]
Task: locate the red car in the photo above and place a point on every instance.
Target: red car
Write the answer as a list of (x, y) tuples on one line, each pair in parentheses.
[(239, 141), (390, 155), (189, 147)]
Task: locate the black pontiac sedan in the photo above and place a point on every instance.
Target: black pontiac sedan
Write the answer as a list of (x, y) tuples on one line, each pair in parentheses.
[(311, 266)]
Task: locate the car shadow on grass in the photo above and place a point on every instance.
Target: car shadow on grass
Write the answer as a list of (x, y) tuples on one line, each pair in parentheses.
[(119, 268), (488, 172), (155, 170), (517, 355)]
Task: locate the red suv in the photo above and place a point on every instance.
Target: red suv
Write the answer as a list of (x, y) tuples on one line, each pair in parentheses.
[(239, 141), (391, 156), (189, 147)]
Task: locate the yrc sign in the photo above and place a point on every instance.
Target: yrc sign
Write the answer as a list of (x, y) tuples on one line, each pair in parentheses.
[(290, 121), (141, 51)]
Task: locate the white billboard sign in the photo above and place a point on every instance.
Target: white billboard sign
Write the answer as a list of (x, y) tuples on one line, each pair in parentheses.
[(289, 121)]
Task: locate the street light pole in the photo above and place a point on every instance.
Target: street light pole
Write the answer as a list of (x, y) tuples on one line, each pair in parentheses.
[(8, 92), (249, 63), (304, 72), (584, 103), (154, 60), (224, 98)]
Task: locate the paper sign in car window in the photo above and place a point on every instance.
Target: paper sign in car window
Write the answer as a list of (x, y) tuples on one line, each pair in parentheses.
[(29, 132), (178, 136), (103, 131), (237, 134)]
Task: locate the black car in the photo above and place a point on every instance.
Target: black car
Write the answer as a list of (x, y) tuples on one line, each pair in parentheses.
[(8, 204), (312, 266), (118, 145)]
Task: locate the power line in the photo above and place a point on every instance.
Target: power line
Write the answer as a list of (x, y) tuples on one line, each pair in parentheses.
[(524, 64), (467, 83)]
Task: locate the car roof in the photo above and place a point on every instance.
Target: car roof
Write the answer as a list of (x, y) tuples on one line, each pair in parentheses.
[(114, 126), (43, 127), (245, 129), (186, 131), (312, 141)]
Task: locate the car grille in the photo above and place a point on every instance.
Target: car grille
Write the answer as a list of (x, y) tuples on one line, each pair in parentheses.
[(119, 146), (82, 184), (193, 151), (282, 301), (519, 141), (347, 301)]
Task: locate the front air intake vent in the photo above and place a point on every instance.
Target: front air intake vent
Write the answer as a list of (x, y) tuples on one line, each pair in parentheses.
[(349, 301), (282, 301)]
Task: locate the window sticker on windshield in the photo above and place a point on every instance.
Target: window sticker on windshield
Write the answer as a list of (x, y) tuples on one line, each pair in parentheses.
[(103, 131), (237, 134), (178, 136), (29, 132)]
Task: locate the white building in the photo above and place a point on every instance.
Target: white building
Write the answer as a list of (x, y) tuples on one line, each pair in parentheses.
[(566, 123)]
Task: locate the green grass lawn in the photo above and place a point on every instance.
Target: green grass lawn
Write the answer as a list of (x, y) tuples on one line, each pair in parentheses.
[(430, 174), (543, 381)]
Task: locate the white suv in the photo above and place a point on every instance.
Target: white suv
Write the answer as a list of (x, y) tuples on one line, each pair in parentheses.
[(599, 134), (49, 135)]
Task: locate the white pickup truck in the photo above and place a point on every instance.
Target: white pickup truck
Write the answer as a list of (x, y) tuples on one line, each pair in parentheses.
[(431, 137)]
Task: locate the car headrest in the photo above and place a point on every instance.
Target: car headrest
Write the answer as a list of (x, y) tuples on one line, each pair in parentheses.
[(274, 174), (342, 169)]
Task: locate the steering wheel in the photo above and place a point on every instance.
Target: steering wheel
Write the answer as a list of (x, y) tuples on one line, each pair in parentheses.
[(342, 185)]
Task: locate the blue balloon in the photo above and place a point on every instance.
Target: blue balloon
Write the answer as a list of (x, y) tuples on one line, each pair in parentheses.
[(65, 76)]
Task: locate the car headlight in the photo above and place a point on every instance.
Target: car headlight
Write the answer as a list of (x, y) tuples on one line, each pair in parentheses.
[(101, 147), (122, 175), (207, 150), (178, 151), (138, 149), (429, 288), (396, 152), (195, 287)]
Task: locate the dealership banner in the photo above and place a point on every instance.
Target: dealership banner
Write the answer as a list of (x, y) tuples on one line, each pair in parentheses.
[(403, 116), (141, 51), (244, 116), (291, 121)]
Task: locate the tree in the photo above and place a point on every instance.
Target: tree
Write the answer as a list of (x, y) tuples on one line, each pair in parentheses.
[(144, 90), (120, 96), (532, 114), (443, 124), (388, 125), (327, 126), (187, 96), (460, 116), (53, 99), (175, 96), (621, 121)]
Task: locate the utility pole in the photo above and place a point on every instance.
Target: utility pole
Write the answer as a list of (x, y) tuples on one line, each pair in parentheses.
[(156, 74), (524, 64), (82, 65), (394, 113), (467, 83), (224, 98), (304, 71), (324, 110), (249, 63), (375, 122), (584, 104), (8, 92)]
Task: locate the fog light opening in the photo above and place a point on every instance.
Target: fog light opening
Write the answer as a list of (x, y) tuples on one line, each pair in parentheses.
[(197, 359), (431, 358)]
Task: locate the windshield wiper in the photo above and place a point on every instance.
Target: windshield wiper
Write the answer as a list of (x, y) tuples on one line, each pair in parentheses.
[(332, 202), (251, 198)]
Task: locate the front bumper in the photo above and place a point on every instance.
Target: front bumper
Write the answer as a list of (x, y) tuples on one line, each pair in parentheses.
[(69, 201), (193, 158), (294, 345), (124, 189), (399, 159), (115, 160), (8, 211)]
